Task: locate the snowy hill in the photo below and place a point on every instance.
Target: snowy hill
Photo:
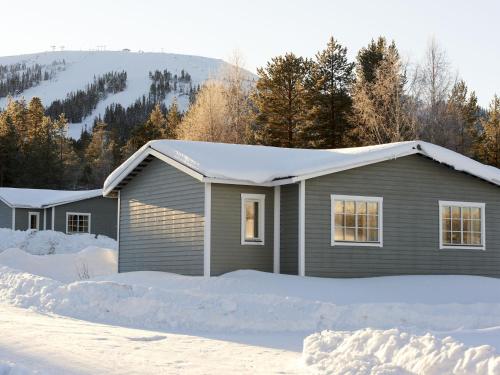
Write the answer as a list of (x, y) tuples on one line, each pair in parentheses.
[(74, 70)]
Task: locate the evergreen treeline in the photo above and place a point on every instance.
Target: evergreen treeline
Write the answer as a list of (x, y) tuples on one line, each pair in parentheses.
[(81, 103), (322, 102), (163, 82), (16, 78)]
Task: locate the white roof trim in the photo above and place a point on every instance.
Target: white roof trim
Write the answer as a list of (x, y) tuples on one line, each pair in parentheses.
[(270, 166)]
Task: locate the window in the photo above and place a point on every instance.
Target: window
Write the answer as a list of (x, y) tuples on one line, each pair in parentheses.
[(356, 221), (34, 220), (252, 219), (461, 225), (77, 222)]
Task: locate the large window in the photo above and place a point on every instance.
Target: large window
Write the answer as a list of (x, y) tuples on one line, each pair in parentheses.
[(461, 225), (252, 219), (77, 222), (356, 221)]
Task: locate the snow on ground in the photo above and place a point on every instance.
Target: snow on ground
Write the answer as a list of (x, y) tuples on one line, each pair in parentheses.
[(57, 345), (371, 351), (51, 242)]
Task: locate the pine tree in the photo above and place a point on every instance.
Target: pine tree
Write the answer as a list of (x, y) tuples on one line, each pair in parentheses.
[(173, 120), (382, 110), (280, 98), (99, 156), (328, 97), (490, 144)]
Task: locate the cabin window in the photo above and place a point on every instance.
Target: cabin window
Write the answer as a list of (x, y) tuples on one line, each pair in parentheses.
[(356, 221), (34, 220), (461, 225), (252, 219), (77, 222)]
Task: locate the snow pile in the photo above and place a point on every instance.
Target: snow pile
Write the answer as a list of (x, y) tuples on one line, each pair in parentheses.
[(51, 242), (250, 301), (378, 352), (88, 263), (10, 368)]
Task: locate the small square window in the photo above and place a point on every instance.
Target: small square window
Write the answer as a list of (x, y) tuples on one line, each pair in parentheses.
[(77, 223)]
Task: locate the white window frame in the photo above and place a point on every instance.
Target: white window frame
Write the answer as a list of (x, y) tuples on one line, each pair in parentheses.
[(261, 198), (78, 213), (480, 205), (37, 214), (379, 200)]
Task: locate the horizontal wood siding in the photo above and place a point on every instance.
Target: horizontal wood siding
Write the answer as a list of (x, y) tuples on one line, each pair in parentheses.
[(289, 229), (411, 188), (22, 218), (103, 213), (227, 252), (5, 216), (161, 222)]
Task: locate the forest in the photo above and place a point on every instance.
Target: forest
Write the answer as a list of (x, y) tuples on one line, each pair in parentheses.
[(323, 101)]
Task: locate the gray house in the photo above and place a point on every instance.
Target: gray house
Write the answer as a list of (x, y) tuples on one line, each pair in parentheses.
[(199, 208), (67, 211)]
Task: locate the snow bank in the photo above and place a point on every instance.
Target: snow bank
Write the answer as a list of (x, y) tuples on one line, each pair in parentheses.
[(88, 263), (379, 352), (247, 302), (51, 242)]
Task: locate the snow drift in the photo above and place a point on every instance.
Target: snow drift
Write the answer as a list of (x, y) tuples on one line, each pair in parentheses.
[(51, 242), (379, 352)]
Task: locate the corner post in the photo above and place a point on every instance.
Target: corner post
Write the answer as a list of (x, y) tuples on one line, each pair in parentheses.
[(302, 228), (277, 228), (13, 218), (207, 229)]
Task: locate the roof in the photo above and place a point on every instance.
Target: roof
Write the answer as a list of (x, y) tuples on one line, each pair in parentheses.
[(42, 198), (268, 166)]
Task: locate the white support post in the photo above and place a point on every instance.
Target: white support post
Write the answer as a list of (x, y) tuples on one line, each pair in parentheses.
[(53, 217), (207, 229), (302, 228), (118, 221), (277, 227), (13, 218), (44, 219)]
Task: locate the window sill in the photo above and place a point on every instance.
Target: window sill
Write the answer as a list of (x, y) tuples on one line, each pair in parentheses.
[(253, 243), (444, 247), (360, 244)]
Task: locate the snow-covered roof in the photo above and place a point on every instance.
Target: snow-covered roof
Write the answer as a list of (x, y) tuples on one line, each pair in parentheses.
[(42, 198), (263, 165)]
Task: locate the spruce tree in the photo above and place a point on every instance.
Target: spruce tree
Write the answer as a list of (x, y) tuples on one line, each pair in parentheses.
[(173, 120), (280, 98), (328, 97), (490, 143)]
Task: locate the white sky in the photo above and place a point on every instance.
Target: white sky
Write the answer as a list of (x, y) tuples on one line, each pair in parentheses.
[(262, 29)]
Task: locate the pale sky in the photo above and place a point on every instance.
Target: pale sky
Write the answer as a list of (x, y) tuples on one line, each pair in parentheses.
[(468, 30)]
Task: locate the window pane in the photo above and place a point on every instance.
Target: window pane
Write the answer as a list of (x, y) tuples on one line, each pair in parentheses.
[(256, 219), (350, 221), (250, 220), (349, 207), (476, 225), (361, 207), (455, 212), (362, 234), (466, 213), (447, 237), (372, 221), (446, 212), (456, 225), (466, 225), (362, 221), (349, 234), (339, 207), (372, 208), (467, 238), (373, 235), (475, 213), (447, 224), (339, 220), (339, 234), (476, 238), (456, 238)]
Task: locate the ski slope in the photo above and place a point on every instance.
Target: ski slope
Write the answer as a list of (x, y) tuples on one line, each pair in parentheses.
[(81, 67)]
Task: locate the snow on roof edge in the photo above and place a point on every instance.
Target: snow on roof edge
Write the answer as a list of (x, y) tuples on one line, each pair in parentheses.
[(321, 162), (37, 198)]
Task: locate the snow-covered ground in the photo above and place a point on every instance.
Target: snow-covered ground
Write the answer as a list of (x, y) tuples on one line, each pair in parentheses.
[(250, 320)]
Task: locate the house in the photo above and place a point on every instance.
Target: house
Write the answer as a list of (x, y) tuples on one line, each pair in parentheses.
[(67, 211), (199, 208)]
